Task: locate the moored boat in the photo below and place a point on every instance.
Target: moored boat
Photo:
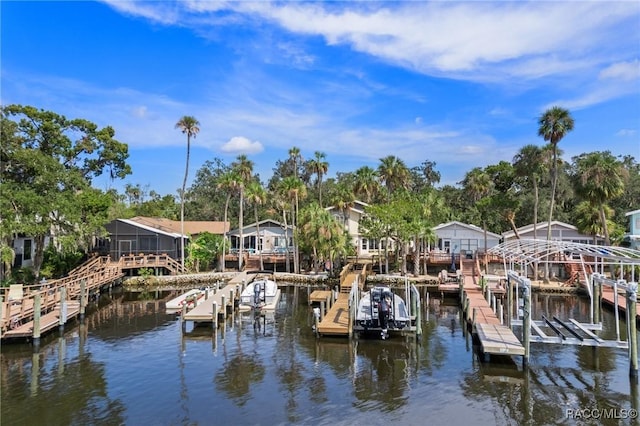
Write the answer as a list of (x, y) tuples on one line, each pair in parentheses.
[(380, 310), (261, 292)]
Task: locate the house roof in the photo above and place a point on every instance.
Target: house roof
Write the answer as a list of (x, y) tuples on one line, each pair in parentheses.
[(263, 223), (175, 227), (464, 225), (358, 207), (542, 225), (633, 212)]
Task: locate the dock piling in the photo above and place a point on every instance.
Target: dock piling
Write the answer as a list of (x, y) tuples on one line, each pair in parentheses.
[(36, 318), (526, 323), (632, 298)]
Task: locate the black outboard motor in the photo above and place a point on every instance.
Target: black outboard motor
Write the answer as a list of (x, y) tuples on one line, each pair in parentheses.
[(257, 288), (383, 315)]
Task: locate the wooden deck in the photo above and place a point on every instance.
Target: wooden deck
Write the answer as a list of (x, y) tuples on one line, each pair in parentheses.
[(494, 337), (204, 311), (608, 298), (97, 273), (336, 321), (48, 322)]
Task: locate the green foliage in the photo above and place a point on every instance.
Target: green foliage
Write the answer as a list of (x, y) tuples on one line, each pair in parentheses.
[(204, 250), (57, 264), (48, 163)]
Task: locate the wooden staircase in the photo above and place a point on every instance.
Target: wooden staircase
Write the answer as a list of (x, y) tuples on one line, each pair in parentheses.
[(576, 274)]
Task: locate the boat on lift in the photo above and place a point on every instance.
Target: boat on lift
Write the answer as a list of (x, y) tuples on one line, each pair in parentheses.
[(261, 292), (381, 311)]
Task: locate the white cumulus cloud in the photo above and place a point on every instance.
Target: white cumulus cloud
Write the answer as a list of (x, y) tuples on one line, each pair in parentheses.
[(242, 145)]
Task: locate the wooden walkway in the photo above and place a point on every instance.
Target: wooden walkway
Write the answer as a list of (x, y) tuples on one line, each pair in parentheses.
[(17, 311), (48, 322), (494, 337), (336, 321), (608, 298)]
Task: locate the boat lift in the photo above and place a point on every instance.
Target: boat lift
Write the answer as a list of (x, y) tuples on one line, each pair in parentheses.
[(569, 331)]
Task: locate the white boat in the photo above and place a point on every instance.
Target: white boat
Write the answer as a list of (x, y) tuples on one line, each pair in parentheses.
[(191, 298), (261, 292), (380, 310)]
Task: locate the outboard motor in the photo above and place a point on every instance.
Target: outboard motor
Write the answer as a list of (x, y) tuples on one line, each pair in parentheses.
[(257, 288), (383, 315)]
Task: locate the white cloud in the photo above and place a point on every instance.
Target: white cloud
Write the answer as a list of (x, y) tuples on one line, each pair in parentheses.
[(242, 145), (626, 71), (481, 41), (626, 133)]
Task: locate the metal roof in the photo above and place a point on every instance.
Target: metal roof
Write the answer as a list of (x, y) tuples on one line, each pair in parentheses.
[(529, 251)]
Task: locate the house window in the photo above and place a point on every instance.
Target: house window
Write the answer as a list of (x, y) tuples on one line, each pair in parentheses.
[(26, 254), (365, 244), (374, 244)]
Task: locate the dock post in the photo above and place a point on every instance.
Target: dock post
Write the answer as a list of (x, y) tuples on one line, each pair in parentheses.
[(36, 319), (597, 297), (316, 320), (223, 308), (62, 315), (632, 298), (214, 315), (509, 302), (83, 298), (526, 323), (321, 311), (183, 323), (461, 286), (501, 313)]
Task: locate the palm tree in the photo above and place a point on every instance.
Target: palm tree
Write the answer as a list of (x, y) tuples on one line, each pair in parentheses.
[(294, 155), (478, 184), (191, 127), (587, 219), (257, 195), (394, 173), (554, 124), (601, 178), (366, 182), (293, 189), (529, 164), (244, 168), (319, 167), (228, 182)]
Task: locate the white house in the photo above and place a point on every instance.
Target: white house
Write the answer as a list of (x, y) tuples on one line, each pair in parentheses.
[(458, 237), (273, 238), (560, 231), (633, 237)]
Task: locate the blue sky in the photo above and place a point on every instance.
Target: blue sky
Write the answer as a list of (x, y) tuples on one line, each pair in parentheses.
[(458, 83)]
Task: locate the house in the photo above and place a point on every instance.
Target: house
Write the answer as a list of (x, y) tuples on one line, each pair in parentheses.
[(458, 237), (560, 231), (25, 251), (273, 238), (632, 239), (155, 235), (350, 217)]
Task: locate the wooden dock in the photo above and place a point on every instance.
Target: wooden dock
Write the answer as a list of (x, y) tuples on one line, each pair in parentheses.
[(494, 337), (608, 298), (205, 312), (48, 322), (336, 321)]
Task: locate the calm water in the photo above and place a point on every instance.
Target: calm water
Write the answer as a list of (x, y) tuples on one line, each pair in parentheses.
[(130, 365)]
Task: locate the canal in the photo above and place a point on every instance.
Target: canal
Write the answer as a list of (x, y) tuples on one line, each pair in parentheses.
[(129, 364)]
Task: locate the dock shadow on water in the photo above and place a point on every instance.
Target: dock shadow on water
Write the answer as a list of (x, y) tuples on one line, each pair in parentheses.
[(129, 363)]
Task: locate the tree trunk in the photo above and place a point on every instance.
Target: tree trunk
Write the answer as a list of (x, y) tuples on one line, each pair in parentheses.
[(38, 258), (553, 197), (258, 237), (224, 239), (535, 223), (241, 222)]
